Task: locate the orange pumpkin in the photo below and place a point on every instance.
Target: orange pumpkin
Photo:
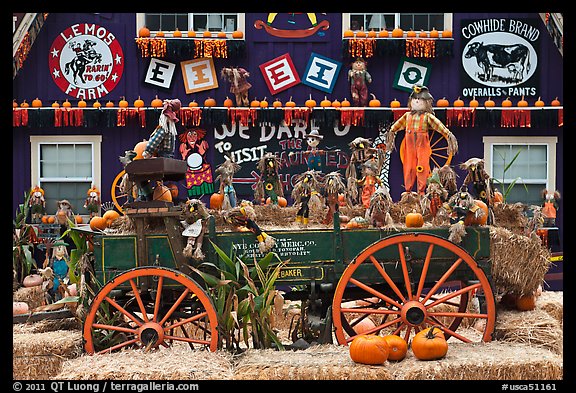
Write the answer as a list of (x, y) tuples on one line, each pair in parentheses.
[(191, 34), (372, 34), (216, 200), (177, 33), (414, 220), (32, 280), (423, 34), (555, 102), (474, 102), (206, 34), (81, 104), (173, 190), (471, 217), (19, 308), (221, 34), (411, 34), (144, 32), (325, 103), (374, 102), (434, 33), (290, 103), (498, 197), (209, 102), (397, 33), (14, 103), (539, 103), (507, 103), (157, 102), (237, 34), (193, 104), (458, 103), (160, 34), (442, 102), (98, 223), (96, 104), (383, 34), (446, 33), (110, 216), (122, 103), (36, 103), (345, 103), (395, 103), (360, 34), (139, 149), (109, 104), (51, 219), (264, 103), (228, 102), (398, 347), (336, 104), (67, 104), (255, 103), (277, 103), (78, 219), (139, 103), (310, 102), (162, 193), (282, 202), (361, 326), (489, 103), (526, 302), (55, 104), (348, 33), (522, 102), (369, 349), (429, 344)]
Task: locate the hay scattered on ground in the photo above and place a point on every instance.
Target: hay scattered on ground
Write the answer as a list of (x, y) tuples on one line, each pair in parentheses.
[(519, 263), (175, 363), (41, 355)]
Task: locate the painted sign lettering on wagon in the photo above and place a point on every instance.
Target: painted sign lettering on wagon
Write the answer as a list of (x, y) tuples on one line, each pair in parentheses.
[(500, 57), (86, 61)]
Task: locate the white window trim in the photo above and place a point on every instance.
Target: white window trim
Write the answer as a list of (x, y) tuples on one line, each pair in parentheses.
[(549, 141), (94, 140), (141, 20), (448, 20)]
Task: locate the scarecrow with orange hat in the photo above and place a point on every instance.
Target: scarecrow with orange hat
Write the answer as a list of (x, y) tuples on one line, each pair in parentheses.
[(37, 204), (359, 78), (417, 150), (92, 202)]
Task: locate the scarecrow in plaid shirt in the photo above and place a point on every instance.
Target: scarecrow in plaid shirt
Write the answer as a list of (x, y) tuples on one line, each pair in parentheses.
[(162, 141), (417, 150)]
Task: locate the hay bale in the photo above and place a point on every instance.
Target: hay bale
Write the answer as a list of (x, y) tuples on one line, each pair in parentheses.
[(33, 296), (48, 325), (483, 361), (519, 263), (553, 303), (318, 362), (535, 328), (176, 363), (41, 355)]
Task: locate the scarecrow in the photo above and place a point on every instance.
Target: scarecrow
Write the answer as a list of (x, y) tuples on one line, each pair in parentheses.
[(304, 193), (550, 207), (333, 185), (378, 212), (126, 186), (369, 181), (447, 178), (194, 217), (92, 202), (226, 172), (361, 151), (238, 77), (162, 141), (37, 204), (313, 154), (417, 150), (193, 149), (64, 212), (458, 207), (481, 183), (244, 216), (436, 195), (359, 78), (269, 183), (56, 271)]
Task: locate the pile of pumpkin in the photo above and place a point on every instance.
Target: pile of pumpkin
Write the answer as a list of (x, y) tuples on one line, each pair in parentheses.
[(427, 344), (102, 222)]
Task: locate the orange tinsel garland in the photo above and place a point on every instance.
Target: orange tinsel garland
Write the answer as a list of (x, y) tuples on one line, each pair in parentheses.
[(420, 47), (361, 47), (354, 117), (152, 47), (296, 113), (461, 117), (191, 116), (210, 48), (515, 118)]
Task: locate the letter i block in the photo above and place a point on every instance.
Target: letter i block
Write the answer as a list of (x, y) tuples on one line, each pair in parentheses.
[(321, 72)]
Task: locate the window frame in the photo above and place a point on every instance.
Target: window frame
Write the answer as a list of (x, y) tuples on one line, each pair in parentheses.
[(448, 20), (141, 21), (95, 141), (550, 142)]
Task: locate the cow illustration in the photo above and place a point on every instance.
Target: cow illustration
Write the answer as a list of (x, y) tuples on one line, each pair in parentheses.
[(514, 58), (85, 55)]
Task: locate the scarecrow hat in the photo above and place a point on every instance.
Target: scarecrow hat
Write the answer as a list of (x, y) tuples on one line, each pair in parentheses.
[(170, 108), (421, 92), (59, 243), (314, 134)]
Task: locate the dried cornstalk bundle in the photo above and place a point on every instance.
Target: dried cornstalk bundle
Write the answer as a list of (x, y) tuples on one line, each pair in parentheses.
[(41, 355), (176, 363), (519, 263), (535, 328)]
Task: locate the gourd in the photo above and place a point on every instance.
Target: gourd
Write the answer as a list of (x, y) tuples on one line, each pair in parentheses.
[(458, 103), (162, 193), (398, 347), (139, 149), (348, 33), (371, 34), (19, 308), (32, 280), (361, 326), (206, 34), (429, 344), (423, 34), (193, 104), (336, 104), (414, 220), (282, 202), (67, 104), (109, 104), (555, 102), (216, 200), (369, 349), (221, 34), (442, 102), (209, 102), (156, 102), (374, 102), (411, 34), (160, 34), (144, 32)]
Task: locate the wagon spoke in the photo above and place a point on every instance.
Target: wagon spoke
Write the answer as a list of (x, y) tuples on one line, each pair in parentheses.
[(374, 292), (405, 270), (116, 328), (188, 340), (451, 333), (158, 296), (387, 278), (442, 279), (122, 310), (187, 320), (175, 306), (118, 346), (139, 300), (424, 271), (451, 295)]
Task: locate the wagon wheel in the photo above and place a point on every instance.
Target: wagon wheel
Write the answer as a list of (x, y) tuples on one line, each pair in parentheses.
[(404, 309), (119, 197), (149, 307), (439, 154)]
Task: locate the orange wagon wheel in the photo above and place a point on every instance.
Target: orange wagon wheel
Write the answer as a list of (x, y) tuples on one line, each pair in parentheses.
[(439, 155), (150, 307), (119, 197), (438, 288)]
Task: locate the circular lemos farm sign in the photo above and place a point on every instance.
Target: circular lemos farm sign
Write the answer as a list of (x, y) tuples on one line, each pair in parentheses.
[(86, 61)]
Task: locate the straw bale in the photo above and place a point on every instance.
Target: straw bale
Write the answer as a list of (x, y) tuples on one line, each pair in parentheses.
[(511, 216), (553, 303), (47, 325), (175, 363), (318, 362), (33, 296), (536, 328), (41, 355), (519, 263)]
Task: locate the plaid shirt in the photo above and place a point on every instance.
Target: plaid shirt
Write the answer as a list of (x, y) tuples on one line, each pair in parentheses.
[(415, 122), (161, 143)]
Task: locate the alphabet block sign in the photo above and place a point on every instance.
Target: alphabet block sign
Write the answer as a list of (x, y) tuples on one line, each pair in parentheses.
[(280, 73), (321, 72), (160, 73), (199, 74)]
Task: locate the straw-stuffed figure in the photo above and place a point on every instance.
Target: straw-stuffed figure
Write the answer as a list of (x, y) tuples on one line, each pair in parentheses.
[(361, 150), (226, 172), (238, 78), (416, 148), (550, 207), (269, 183), (244, 215), (458, 207), (306, 195), (92, 202), (37, 204), (369, 181), (436, 195), (359, 78), (378, 212), (194, 218), (333, 186)]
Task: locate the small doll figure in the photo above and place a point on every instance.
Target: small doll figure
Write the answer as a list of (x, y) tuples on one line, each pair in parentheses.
[(126, 186), (226, 172), (550, 207), (64, 212), (37, 204), (458, 207), (304, 193), (436, 195), (417, 150), (194, 218), (359, 79), (269, 184), (238, 77), (361, 151), (56, 271), (447, 178), (244, 216), (313, 154), (479, 178), (369, 181), (92, 202), (333, 185), (378, 212)]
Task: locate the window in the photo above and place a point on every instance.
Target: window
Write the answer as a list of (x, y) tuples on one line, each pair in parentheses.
[(64, 166), (533, 170), (389, 21), (226, 22)]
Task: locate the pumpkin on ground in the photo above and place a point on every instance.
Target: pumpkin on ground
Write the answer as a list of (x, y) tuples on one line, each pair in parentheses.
[(369, 349), (429, 344), (216, 200), (19, 308), (398, 347), (32, 280), (526, 302), (361, 326)]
